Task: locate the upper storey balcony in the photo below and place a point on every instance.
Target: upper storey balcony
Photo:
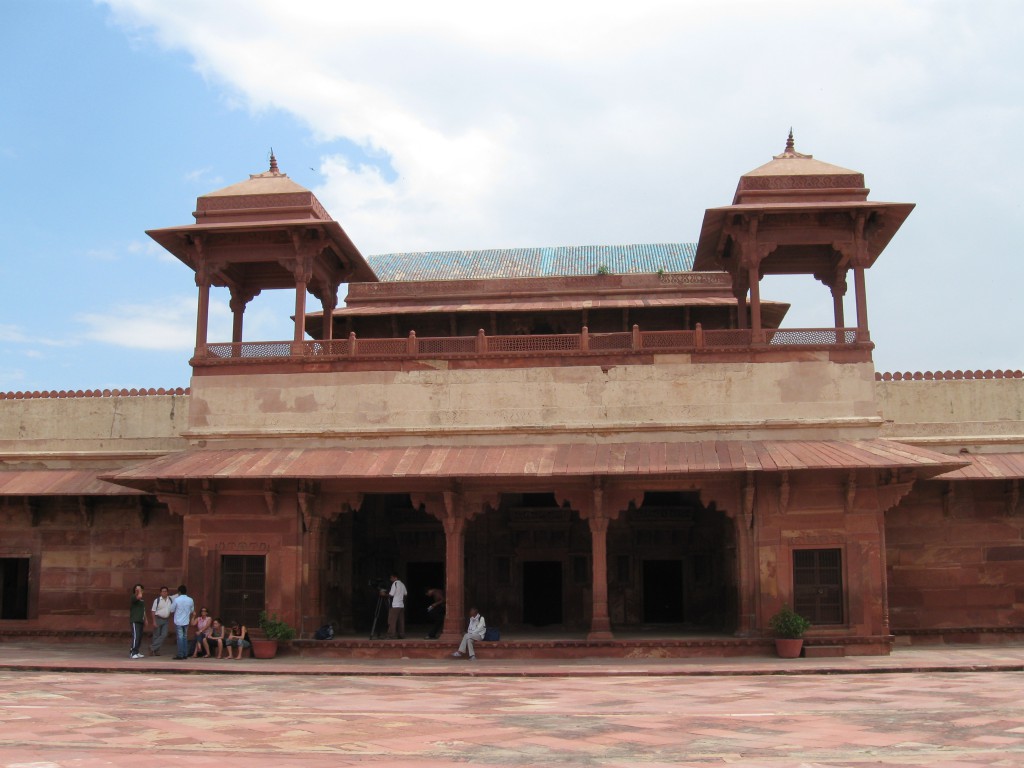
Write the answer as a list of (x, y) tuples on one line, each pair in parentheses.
[(546, 306)]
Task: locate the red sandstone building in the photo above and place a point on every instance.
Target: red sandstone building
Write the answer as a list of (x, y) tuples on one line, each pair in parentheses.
[(613, 449)]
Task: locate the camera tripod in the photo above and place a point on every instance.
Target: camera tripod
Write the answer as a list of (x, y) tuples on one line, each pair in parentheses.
[(381, 611)]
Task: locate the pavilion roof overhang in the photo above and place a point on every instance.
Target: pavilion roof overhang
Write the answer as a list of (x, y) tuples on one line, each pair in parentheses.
[(60, 482), (550, 462), (987, 466), (804, 233), (235, 261), (773, 312)]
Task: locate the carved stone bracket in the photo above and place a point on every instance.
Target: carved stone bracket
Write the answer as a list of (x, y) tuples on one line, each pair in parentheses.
[(240, 297), (270, 497), (749, 492), (308, 495), (208, 493), (784, 492), (850, 491), (177, 503), (893, 487), (599, 504)]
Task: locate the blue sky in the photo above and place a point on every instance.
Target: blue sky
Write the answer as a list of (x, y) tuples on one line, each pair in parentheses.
[(463, 126)]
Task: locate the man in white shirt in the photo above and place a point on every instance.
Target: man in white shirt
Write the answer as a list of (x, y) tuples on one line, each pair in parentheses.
[(477, 630), (396, 614), (162, 607)]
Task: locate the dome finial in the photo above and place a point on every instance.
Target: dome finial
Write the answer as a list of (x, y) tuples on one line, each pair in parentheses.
[(273, 162), (790, 150)]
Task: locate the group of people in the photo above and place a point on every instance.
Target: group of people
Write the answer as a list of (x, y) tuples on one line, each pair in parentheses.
[(396, 617), (211, 634), (179, 609)]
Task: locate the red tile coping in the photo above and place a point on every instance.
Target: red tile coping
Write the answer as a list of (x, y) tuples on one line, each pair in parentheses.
[(947, 375), (65, 393)]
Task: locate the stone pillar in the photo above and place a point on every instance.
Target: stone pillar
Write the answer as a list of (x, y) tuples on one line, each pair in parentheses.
[(203, 315), (317, 517), (454, 509), (862, 304), (239, 299), (599, 506), (736, 500), (755, 304), (329, 301)]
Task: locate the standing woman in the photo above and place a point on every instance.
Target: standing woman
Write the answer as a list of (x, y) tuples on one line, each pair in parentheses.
[(137, 614)]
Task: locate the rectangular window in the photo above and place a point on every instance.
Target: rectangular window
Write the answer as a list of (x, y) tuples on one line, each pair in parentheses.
[(818, 585), (14, 587)]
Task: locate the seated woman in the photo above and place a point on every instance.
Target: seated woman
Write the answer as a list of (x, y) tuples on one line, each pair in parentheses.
[(216, 637), (238, 638), (202, 624)]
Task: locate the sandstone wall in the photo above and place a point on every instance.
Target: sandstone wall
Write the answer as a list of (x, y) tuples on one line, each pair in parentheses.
[(959, 411), (812, 398), (57, 430), (955, 561)]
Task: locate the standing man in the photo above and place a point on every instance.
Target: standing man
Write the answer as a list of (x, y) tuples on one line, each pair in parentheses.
[(476, 631), (396, 614), (436, 609), (184, 611), (137, 613), (161, 615)]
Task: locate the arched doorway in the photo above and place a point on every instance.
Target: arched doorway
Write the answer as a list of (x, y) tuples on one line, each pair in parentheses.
[(672, 566)]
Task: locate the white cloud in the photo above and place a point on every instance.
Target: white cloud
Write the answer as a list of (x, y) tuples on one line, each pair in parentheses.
[(168, 323), (568, 123)]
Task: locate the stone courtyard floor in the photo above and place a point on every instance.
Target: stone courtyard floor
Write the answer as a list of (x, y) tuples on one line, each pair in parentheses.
[(85, 705)]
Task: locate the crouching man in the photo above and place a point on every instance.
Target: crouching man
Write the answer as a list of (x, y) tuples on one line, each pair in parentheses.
[(477, 629)]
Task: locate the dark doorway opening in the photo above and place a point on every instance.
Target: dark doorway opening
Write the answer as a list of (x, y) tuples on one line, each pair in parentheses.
[(419, 577), (243, 585), (542, 593), (663, 591), (14, 587)]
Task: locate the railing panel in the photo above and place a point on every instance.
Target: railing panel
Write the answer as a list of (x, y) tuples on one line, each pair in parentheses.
[(611, 341), (447, 345), (482, 345), (551, 343), (728, 337), (250, 349), (375, 347), (796, 337), (667, 339)]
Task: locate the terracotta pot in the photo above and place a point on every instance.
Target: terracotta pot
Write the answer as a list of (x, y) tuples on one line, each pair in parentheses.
[(262, 648), (786, 647)]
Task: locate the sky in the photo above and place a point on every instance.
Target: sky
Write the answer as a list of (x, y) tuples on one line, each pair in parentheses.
[(469, 125)]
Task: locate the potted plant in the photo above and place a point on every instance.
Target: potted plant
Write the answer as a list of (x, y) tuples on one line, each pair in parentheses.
[(789, 627), (274, 631)]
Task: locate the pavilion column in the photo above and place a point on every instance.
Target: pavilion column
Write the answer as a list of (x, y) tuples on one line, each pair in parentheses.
[(329, 301), (239, 299), (741, 309), (862, 304), (203, 315), (755, 304)]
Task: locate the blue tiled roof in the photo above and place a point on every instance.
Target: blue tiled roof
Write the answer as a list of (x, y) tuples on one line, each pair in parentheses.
[(533, 262)]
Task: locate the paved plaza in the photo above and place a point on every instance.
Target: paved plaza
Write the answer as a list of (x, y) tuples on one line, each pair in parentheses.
[(514, 713)]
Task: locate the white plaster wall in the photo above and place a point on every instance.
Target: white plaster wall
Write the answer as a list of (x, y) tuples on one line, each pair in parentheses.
[(961, 411), (101, 425), (675, 395)]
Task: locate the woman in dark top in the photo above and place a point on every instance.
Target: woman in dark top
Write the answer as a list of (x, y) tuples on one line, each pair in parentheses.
[(238, 638)]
